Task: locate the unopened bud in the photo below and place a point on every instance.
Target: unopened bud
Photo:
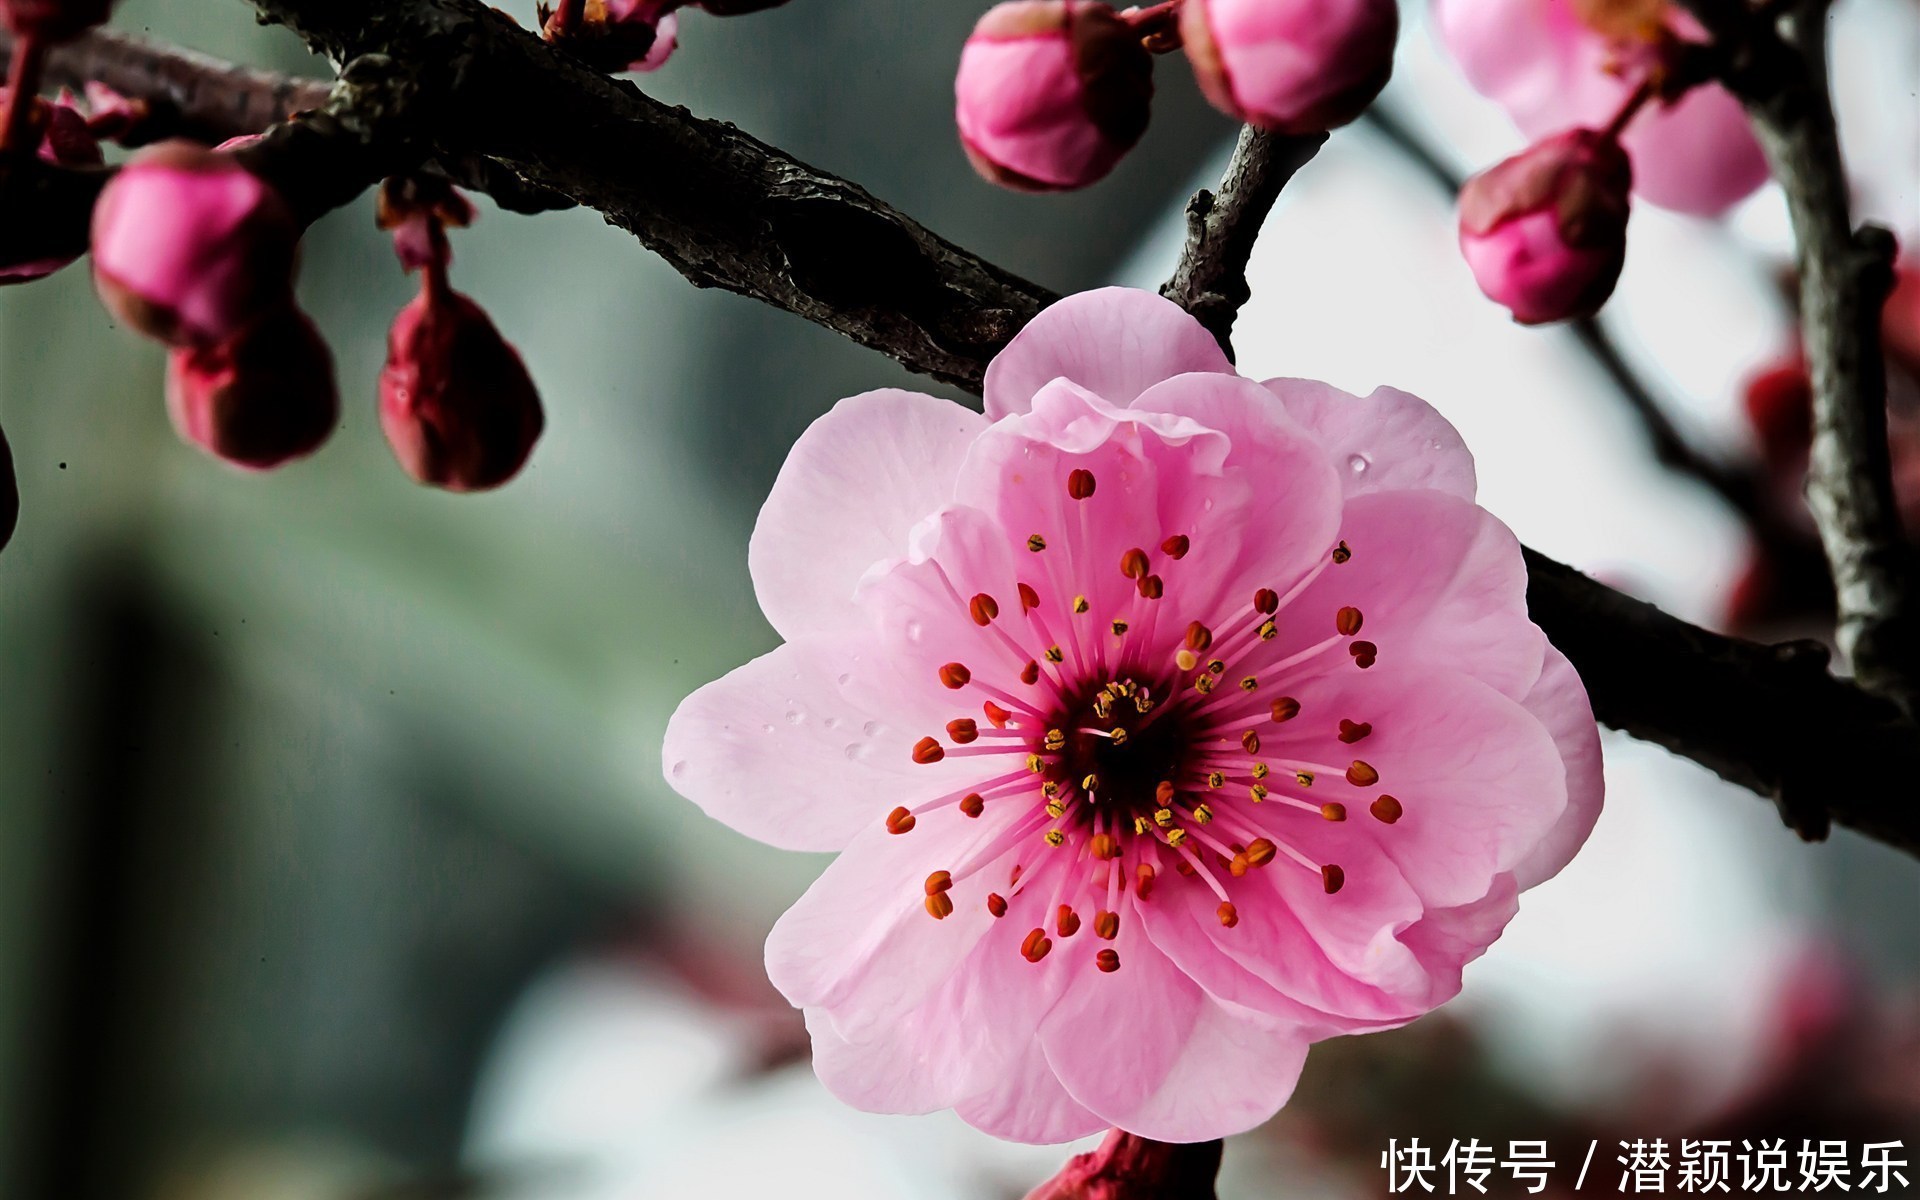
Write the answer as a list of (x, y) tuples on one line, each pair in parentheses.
[(260, 399), (1051, 93), (456, 402), (65, 141), (53, 20), (190, 247), (1294, 66), (1545, 232), (1127, 1167), (618, 35), (9, 493)]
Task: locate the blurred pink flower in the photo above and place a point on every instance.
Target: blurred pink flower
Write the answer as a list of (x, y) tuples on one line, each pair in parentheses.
[(1552, 70), (1167, 722), (1051, 94)]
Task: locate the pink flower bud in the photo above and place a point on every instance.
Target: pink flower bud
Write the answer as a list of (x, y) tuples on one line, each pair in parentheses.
[(1296, 66), (456, 402), (618, 35), (9, 493), (189, 246), (1545, 232), (53, 20), (262, 398), (65, 141), (1125, 1167), (1051, 93)]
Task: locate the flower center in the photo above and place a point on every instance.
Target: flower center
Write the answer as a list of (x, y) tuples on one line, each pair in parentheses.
[(1132, 746)]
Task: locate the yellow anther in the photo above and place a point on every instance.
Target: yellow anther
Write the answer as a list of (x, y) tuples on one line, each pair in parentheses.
[(1303, 778), (1260, 770), (1036, 543), (1056, 838), (1202, 813), (1080, 604), (1216, 778), (1163, 817)]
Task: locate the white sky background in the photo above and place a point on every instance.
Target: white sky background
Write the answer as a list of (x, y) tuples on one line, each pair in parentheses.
[(1689, 896)]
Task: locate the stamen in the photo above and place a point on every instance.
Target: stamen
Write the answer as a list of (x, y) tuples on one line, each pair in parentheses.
[(1342, 553), (984, 609), (1119, 628), (1177, 838), (1036, 946), (1055, 655), (963, 731), (1185, 659), (973, 804), (1333, 811), (1055, 838), (1036, 764), (1030, 674), (1163, 817), (1202, 813), (1204, 685), (1353, 731), (1106, 925), (1250, 742), (999, 716), (1066, 922), (939, 905), (1176, 547), (1385, 809), (996, 904), (1036, 543), (1029, 599), (1303, 778), (1268, 631), (939, 882), (1216, 778), (1080, 604), (1228, 914), (1249, 684), (1347, 621), (1260, 771), (1199, 637), (1105, 847), (1143, 880), (1364, 654), (1332, 878), (1107, 960), (1133, 564), (900, 820), (955, 676), (1286, 708), (1362, 774), (1260, 852), (1164, 792), (1150, 588), (926, 750), (1080, 483), (1266, 601)]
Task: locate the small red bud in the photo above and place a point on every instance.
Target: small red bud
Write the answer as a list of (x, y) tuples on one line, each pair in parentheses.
[(618, 35), (190, 247), (1127, 1167), (260, 399), (1051, 93), (65, 141), (456, 402), (1545, 232)]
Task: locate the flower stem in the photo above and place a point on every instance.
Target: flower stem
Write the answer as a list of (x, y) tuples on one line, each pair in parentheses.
[(23, 83)]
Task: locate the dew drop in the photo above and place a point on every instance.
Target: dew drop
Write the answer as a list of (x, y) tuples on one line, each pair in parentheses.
[(678, 770), (914, 631), (796, 717), (845, 678), (1358, 463), (831, 722), (871, 729), (855, 750), (767, 728)]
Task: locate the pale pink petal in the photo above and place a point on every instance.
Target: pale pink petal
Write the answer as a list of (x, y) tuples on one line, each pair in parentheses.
[(1116, 342), (1559, 702), (1234, 1071), (1447, 939), (1699, 156), (1387, 440), (1030, 1105), (1113, 1037), (857, 480)]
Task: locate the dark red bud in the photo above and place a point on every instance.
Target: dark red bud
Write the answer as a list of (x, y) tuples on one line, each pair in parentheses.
[(456, 402), (260, 399), (1126, 1167)]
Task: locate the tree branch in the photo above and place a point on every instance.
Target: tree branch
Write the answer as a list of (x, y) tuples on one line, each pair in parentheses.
[(731, 212), (1211, 280), (1778, 68)]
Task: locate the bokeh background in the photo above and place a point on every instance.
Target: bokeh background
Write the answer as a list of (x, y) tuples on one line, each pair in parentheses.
[(335, 861)]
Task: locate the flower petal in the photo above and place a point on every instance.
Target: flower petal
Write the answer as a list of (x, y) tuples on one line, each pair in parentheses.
[(1559, 702), (857, 480), (1030, 1105), (1115, 342), (1235, 1070), (1388, 440)]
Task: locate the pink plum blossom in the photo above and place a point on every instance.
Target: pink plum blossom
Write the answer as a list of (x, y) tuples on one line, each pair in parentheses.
[(1545, 232), (1552, 67), (1297, 66), (1051, 94), (1166, 722), (190, 247)]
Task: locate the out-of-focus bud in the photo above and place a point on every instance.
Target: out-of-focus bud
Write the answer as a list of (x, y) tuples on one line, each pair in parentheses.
[(65, 141), (1294, 66), (735, 8), (259, 400), (1051, 93), (1545, 232), (53, 20), (9, 493), (1779, 403), (456, 402), (1125, 1167), (190, 247), (616, 35), (111, 115)]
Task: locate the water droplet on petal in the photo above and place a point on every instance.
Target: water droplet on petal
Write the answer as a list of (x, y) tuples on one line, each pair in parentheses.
[(678, 770), (796, 717), (871, 729), (1358, 463), (914, 630), (767, 728), (855, 750), (845, 678)]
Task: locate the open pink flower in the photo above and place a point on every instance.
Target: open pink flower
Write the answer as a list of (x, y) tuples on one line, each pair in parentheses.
[(1552, 67), (1166, 721)]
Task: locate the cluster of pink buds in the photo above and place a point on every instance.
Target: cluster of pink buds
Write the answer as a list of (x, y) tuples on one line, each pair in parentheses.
[(628, 35), (456, 402), (1051, 94)]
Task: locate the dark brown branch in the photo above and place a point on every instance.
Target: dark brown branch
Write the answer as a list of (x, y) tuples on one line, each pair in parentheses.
[(1211, 280), (732, 212), (1778, 68)]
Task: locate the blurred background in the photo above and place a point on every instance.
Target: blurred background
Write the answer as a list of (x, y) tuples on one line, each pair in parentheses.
[(335, 861)]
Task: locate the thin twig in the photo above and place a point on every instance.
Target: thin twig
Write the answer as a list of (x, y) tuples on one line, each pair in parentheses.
[(1211, 280)]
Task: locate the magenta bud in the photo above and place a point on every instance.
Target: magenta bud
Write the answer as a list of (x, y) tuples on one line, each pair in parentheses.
[(53, 20), (65, 141), (1051, 93), (1126, 1167), (9, 493), (456, 402), (619, 35), (190, 247), (259, 400), (1293, 66), (1545, 232)]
